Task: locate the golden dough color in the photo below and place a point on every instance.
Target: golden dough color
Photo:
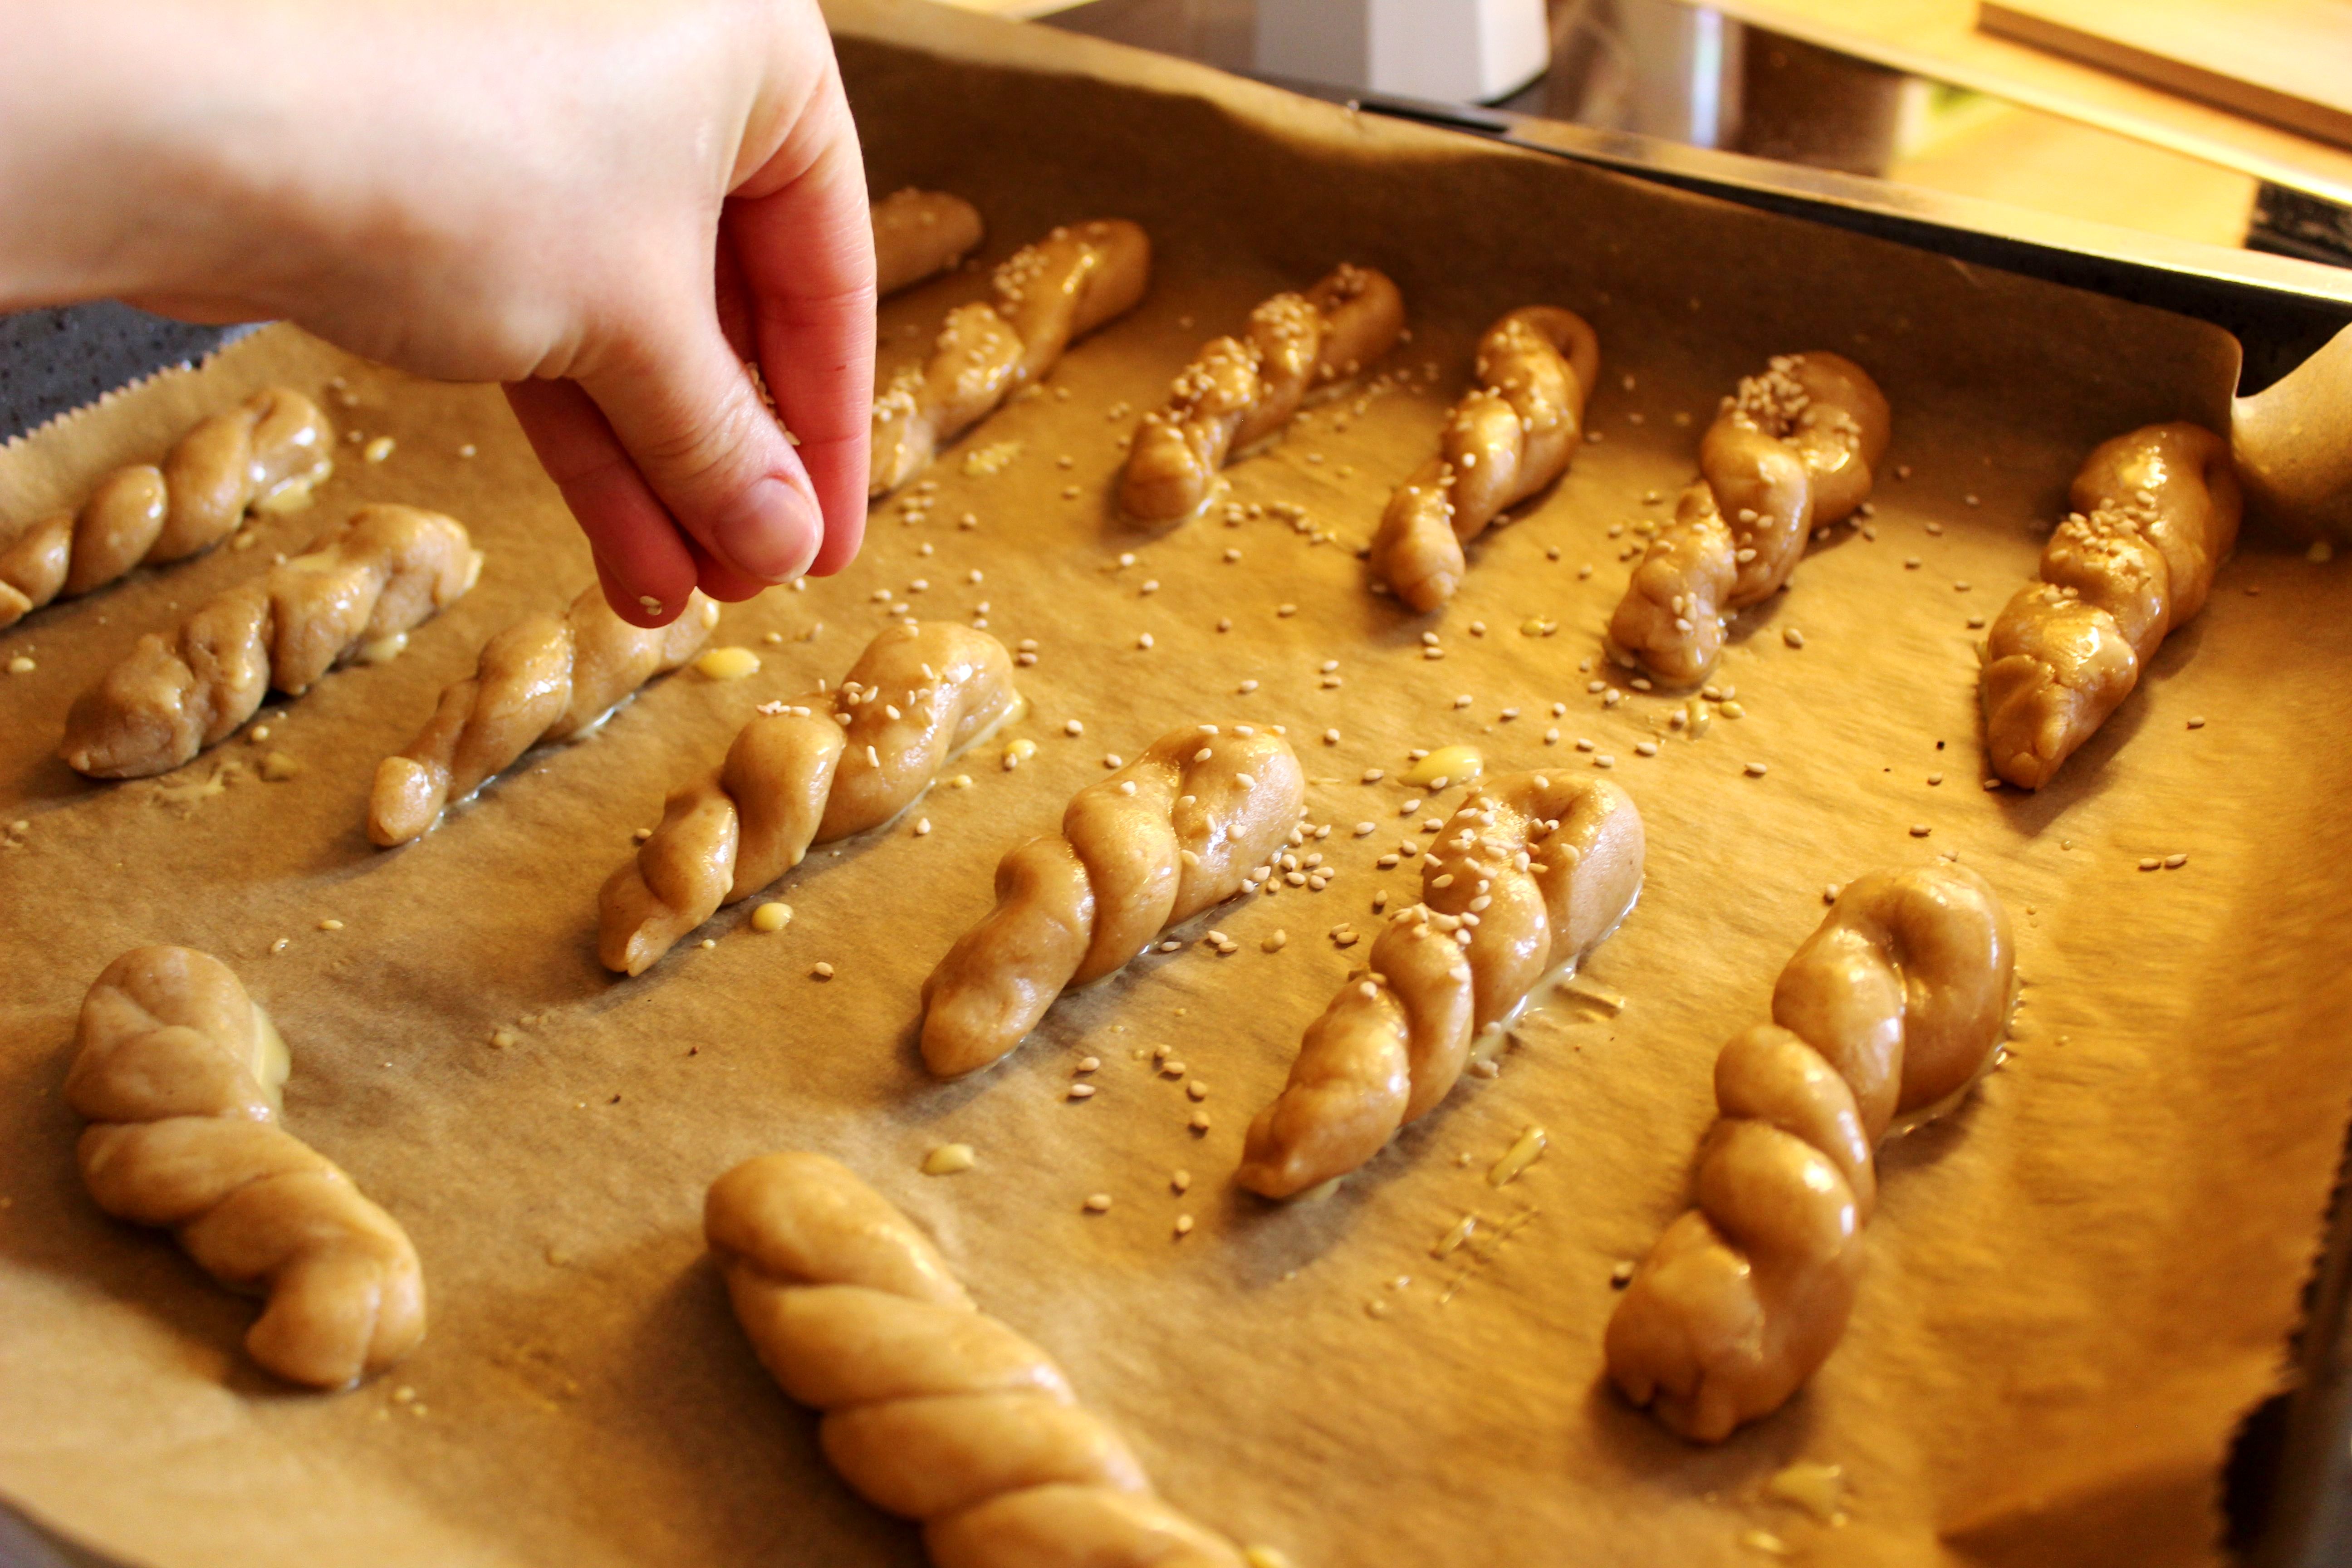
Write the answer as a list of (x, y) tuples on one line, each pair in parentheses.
[(918, 233), (1494, 920), (172, 1073), (1237, 394), (1798, 447), (387, 569), (802, 774), (2155, 513), (266, 453), (1508, 438), (1048, 296), (1165, 838), (932, 1409), (1891, 1009), (546, 678)]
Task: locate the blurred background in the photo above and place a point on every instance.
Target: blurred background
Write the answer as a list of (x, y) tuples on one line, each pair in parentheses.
[(2228, 124)]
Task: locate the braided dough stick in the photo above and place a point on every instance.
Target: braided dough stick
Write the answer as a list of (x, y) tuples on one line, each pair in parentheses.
[(387, 569), (918, 233), (1504, 441), (178, 1073), (1048, 296), (1236, 395), (933, 1409), (1168, 835), (807, 772), (266, 455), (1885, 1017), (2155, 512), (1794, 450), (1532, 873), (548, 678)]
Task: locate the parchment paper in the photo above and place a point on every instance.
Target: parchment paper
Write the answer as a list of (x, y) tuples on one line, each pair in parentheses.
[(2077, 1283)]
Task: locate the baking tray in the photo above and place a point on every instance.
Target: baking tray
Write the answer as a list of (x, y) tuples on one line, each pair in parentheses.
[(1081, 62)]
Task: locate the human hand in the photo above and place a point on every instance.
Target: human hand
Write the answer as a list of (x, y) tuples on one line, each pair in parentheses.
[(585, 202)]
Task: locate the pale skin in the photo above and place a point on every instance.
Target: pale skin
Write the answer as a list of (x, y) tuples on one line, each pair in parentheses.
[(608, 205)]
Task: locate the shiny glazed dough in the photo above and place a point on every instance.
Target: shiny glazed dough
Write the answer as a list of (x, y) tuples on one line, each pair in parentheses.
[(1048, 295), (2155, 513), (1890, 1012), (1533, 873), (932, 1409), (544, 678), (266, 453), (1506, 439), (1240, 392), (386, 570), (919, 233), (1171, 833), (1797, 447), (807, 773), (178, 1078)]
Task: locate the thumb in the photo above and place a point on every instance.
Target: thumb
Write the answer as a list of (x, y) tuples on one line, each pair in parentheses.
[(690, 419)]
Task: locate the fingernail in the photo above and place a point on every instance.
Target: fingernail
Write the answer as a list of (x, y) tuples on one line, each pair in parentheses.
[(766, 531)]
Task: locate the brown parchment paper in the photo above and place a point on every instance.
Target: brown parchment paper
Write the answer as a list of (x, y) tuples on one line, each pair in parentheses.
[(2077, 1282)]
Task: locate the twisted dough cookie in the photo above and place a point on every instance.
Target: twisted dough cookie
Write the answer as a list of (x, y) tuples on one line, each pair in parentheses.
[(932, 1409), (1796, 449), (265, 455), (1170, 835), (1235, 394), (1504, 441), (545, 678), (1048, 295), (1494, 921), (178, 1073), (2156, 510), (387, 569), (807, 772), (918, 233), (1887, 1016)]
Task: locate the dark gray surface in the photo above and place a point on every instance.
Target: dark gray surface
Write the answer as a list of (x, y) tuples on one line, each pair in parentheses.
[(52, 362)]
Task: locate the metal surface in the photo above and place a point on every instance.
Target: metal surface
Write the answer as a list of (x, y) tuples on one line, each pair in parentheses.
[(2281, 307)]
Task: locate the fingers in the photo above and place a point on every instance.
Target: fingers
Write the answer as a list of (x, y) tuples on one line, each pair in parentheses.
[(805, 247), (647, 567)]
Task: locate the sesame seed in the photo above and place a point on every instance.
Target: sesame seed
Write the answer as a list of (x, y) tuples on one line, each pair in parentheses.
[(922, 825), (2150, 863), (1183, 1224), (1143, 639), (1073, 726), (1286, 609), (1794, 637), (822, 972), (1098, 1203), (2197, 722), (1919, 830), (1911, 563), (1756, 770), (1274, 942), (2174, 862)]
